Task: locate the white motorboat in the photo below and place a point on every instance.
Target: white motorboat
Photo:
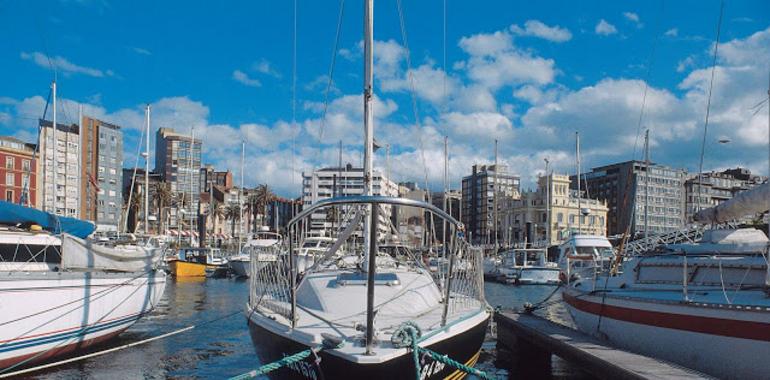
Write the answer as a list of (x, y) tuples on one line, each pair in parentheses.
[(527, 267), (259, 246), (703, 305), (60, 293), (581, 255)]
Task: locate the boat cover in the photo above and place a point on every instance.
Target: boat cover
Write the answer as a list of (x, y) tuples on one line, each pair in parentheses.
[(86, 254), (14, 215), (745, 203)]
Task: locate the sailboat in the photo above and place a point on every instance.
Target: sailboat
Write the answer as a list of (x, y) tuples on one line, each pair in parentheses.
[(60, 293), (361, 306)]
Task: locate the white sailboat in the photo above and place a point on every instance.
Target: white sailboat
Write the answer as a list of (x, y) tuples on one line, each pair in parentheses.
[(362, 305)]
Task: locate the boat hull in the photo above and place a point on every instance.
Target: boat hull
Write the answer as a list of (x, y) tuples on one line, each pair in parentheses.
[(45, 315), (464, 347), (724, 342), (186, 269), (240, 268)]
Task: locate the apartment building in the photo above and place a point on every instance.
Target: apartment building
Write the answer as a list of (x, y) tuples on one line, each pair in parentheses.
[(178, 162), (713, 188), (101, 173), (64, 199), (629, 188), (18, 173), (479, 198)]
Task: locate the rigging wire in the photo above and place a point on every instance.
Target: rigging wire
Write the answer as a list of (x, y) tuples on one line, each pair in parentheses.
[(294, 95), (708, 104)]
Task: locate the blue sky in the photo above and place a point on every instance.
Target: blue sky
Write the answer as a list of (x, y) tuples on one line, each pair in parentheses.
[(527, 73)]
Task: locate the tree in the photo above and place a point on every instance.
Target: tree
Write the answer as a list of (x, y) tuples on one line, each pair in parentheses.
[(233, 212), (162, 199), (263, 196)]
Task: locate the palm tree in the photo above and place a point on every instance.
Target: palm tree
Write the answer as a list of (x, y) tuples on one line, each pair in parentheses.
[(263, 196), (133, 211), (233, 212), (163, 198)]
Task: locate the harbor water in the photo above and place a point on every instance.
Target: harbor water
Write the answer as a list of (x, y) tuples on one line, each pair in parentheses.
[(223, 348)]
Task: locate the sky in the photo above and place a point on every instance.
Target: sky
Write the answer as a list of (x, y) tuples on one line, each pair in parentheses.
[(528, 74)]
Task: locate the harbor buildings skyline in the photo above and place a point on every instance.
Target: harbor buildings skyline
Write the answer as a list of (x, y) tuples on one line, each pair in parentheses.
[(717, 187)]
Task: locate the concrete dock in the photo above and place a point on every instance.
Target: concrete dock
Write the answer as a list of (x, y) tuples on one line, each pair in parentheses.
[(532, 340)]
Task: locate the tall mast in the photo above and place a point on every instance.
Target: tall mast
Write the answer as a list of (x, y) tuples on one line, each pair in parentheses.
[(190, 160), (446, 192), (55, 149), (494, 196), (147, 175), (370, 230), (547, 204), (240, 200), (577, 161), (646, 182)]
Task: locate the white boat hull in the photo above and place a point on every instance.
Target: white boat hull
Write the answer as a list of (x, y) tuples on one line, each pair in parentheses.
[(730, 343), (46, 314)]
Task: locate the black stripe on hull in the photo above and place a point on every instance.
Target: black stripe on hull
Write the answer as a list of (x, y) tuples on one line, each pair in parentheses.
[(463, 348)]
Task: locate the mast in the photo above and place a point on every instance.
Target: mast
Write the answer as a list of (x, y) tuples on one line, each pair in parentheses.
[(240, 200), (147, 175), (646, 182), (190, 160), (370, 230), (55, 149), (494, 196), (547, 204), (446, 192), (577, 161)]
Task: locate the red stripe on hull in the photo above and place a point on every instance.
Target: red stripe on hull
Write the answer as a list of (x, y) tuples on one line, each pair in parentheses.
[(63, 350), (707, 325)]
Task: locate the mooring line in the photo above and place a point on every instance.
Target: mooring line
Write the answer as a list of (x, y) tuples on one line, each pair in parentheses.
[(109, 350)]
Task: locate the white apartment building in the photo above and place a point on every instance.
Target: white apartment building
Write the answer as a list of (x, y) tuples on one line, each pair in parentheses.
[(343, 181), (67, 150)]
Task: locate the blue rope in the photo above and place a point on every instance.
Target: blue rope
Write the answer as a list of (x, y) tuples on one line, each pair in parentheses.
[(286, 361), (408, 335)]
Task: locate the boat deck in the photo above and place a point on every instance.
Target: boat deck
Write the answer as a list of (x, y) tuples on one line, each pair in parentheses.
[(537, 338)]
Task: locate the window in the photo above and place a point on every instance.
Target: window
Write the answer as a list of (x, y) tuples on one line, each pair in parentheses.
[(26, 165), (9, 195), (9, 162), (9, 179)]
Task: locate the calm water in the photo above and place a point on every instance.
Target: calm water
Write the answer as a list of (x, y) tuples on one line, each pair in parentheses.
[(224, 349)]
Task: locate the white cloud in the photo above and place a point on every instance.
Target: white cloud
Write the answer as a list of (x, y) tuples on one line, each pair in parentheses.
[(538, 29), (673, 32), (265, 67), (243, 78), (63, 65), (141, 51), (604, 28), (634, 18)]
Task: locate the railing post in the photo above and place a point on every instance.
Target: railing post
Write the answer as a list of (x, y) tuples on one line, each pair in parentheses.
[(448, 284), (293, 274), (371, 272)]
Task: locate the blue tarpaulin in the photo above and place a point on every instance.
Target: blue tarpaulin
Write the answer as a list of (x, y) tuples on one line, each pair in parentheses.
[(14, 215)]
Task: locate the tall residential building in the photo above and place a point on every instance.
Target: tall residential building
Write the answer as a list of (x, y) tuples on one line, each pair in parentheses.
[(101, 172), (65, 199), (280, 211), (623, 187), (478, 200), (335, 181), (134, 212), (717, 187), (18, 173), (527, 218), (178, 161)]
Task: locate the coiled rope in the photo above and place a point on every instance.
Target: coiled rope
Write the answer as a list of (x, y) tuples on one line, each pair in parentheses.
[(408, 335), (289, 360)]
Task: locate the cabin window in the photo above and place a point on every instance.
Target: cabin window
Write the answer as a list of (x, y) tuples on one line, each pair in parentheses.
[(34, 253)]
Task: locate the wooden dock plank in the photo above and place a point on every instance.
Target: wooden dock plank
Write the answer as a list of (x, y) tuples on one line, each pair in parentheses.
[(591, 354)]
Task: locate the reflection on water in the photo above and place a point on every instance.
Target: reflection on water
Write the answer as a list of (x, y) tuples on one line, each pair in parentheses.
[(224, 348)]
